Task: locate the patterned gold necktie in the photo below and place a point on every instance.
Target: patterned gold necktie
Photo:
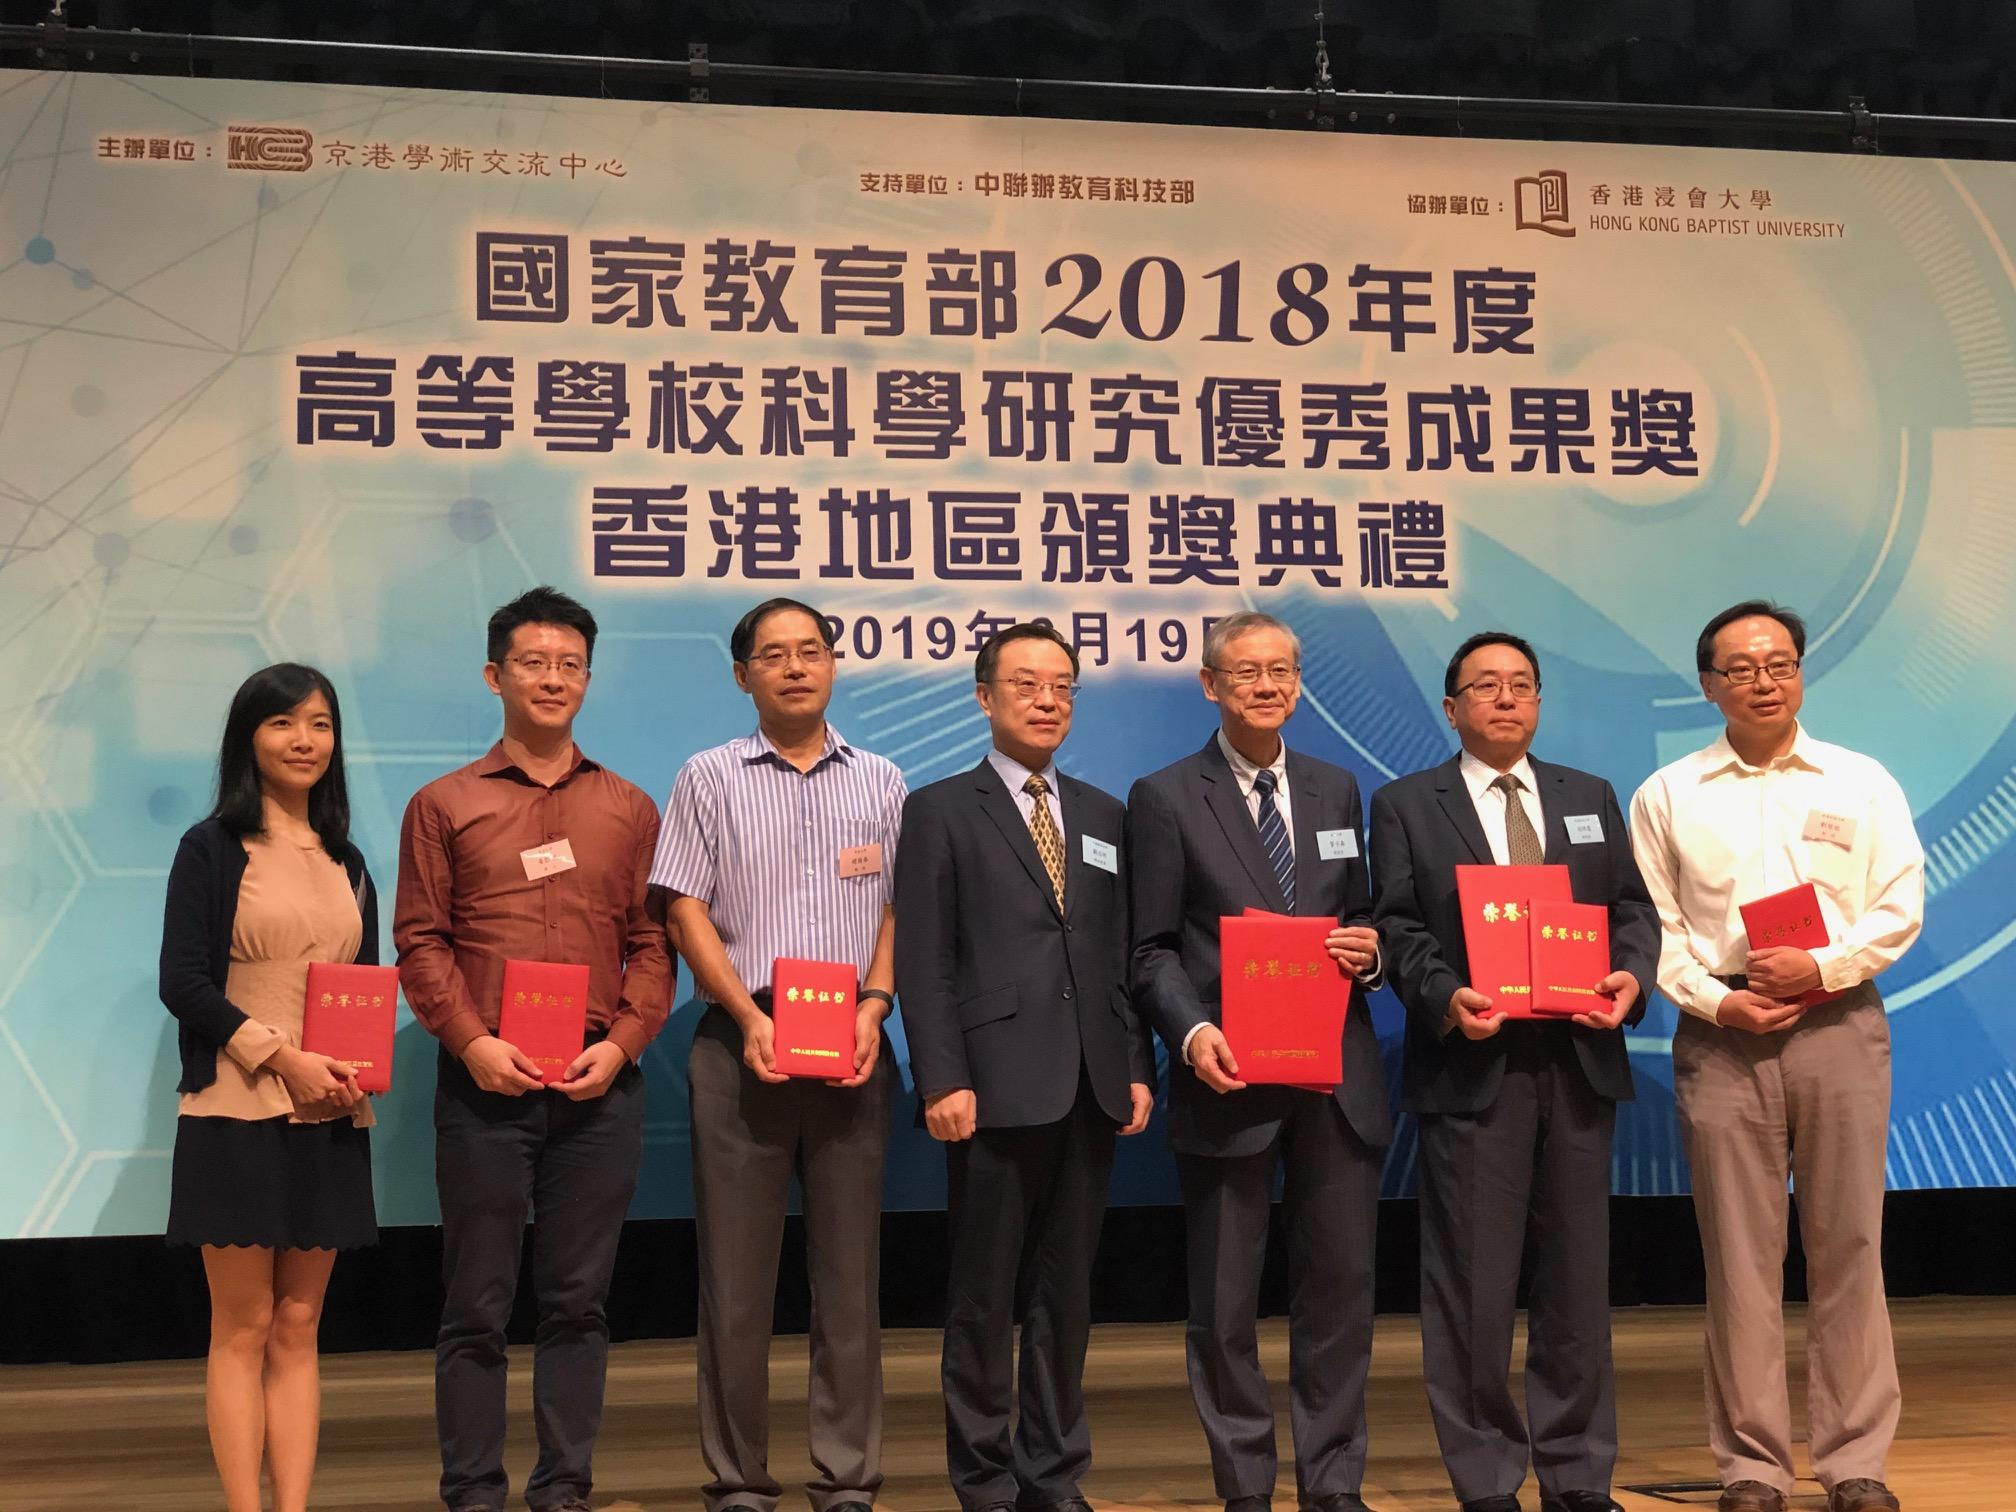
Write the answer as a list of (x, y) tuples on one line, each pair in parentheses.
[(1522, 845), (1043, 830)]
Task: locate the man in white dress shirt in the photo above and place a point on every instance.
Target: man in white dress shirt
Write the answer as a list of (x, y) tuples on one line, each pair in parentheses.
[(1770, 1086)]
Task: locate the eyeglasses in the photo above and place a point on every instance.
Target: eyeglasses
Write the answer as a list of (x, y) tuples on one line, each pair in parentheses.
[(1488, 689), (1245, 676), (570, 668), (1781, 669), (776, 658), (1029, 689)]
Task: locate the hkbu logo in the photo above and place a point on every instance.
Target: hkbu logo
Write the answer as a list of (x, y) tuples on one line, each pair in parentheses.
[(1541, 203), (270, 149)]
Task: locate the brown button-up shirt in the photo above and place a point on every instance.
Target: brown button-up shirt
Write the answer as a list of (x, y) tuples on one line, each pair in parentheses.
[(465, 904)]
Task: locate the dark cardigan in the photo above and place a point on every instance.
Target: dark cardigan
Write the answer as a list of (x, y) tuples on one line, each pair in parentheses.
[(196, 942)]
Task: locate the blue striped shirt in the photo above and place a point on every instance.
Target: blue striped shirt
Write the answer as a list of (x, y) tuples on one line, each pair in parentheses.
[(759, 842)]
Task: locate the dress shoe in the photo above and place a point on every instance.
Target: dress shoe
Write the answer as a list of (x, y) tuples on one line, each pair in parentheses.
[(1750, 1496), (850, 1506), (1336, 1501), (1579, 1501), (1249, 1504), (1069, 1504), (1508, 1503), (1862, 1495)]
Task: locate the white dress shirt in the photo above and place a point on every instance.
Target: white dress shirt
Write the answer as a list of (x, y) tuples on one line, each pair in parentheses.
[(1015, 774), (1711, 832), (1244, 771), (1490, 803)]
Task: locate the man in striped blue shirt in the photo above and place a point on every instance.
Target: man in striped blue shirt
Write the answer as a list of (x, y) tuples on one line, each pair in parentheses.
[(782, 844)]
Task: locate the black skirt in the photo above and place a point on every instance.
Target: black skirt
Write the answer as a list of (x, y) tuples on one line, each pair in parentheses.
[(271, 1183)]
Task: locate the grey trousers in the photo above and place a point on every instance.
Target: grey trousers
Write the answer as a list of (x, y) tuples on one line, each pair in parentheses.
[(1814, 1104), (750, 1139)]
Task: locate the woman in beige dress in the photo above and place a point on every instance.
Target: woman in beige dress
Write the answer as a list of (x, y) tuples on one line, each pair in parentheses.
[(272, 1170)]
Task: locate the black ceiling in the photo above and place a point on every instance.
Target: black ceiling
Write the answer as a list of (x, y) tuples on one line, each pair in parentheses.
[(1939, 57)]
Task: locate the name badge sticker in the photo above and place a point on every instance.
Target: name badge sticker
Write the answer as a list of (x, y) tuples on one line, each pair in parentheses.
[(1835, 829), (1337, 845), (1584, 829), (545, 860), (1102, 854), (861, 860)]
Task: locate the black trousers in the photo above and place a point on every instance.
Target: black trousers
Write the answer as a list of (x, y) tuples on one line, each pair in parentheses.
[(1530, 1173), (574, 1165), (1026, 1206), (1330, 1204)]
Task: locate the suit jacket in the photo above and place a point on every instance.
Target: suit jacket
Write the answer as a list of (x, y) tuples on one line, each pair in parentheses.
[(1423, 827), (1194, 857), (1000, 991)]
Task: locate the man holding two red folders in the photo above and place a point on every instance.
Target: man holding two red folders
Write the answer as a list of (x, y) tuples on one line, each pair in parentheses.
[(533, 853), (1516, 1118)]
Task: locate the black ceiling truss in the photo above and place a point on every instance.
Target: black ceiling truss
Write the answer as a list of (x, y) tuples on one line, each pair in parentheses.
[(764, 44)]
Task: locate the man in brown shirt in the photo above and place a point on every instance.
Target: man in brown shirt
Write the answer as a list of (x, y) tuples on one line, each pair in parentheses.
[(536, 853)]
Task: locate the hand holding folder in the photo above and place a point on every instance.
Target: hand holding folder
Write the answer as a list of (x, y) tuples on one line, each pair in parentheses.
[(812, 1010), (348, 1015), (1789, 920), (544, 1014), (1282, 1000), (1497, 932)]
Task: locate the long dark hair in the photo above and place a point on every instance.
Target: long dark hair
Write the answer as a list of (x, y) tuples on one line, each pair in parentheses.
[(269, 691)]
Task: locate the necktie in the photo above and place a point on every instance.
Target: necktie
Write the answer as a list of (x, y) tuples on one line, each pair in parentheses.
[(1522, 845), (1043, 830), (1274, 837)]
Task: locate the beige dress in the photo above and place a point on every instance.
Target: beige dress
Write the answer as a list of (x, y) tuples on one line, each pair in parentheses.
[(295, 906)]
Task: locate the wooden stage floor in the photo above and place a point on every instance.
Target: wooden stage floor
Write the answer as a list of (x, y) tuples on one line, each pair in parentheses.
[(131, 1436)]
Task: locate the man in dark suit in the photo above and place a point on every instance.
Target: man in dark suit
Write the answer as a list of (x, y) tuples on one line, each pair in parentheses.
[(1011, 969), (1516, 1118), (1248, 823)]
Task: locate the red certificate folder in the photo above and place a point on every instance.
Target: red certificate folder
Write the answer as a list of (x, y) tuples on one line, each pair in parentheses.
[(1282, 999), (545, 1014), (347, 1016), (1791, 917), (1494, 900), (1571, 953), (1326, 1088), (812, 1007)]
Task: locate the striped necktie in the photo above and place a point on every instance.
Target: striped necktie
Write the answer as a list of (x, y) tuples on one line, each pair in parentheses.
[(1274, 837)]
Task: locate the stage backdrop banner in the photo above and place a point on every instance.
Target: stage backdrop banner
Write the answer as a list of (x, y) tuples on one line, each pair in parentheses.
[(318, 373)]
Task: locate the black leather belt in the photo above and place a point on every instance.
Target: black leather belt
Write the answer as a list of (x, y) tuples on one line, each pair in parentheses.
[(760, 998)]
